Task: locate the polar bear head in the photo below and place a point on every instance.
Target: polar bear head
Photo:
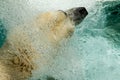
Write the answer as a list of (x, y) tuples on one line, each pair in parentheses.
[(60, 24)]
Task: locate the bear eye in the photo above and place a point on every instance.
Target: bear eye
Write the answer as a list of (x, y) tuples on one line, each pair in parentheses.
[(63, 12)]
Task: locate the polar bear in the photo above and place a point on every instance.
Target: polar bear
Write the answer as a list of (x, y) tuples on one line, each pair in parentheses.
[(19, 54)]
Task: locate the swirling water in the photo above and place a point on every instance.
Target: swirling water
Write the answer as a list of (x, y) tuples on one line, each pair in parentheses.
[(93, 52)]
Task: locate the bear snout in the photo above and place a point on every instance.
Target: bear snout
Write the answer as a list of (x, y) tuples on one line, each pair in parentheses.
[(81, 11), (77, 14)]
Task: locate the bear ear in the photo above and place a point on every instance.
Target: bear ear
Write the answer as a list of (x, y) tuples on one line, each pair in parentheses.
[(63, 12), (60, 16)]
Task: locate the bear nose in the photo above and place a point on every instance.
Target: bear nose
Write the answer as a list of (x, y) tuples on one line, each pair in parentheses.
[(77, 14), (81, 11)]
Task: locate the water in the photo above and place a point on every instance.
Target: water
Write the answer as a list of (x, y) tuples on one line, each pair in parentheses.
[(93, 52)]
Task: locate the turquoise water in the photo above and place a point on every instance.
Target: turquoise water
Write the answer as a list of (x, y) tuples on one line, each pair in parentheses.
[(112, 24), (102, 42), (93, 52)]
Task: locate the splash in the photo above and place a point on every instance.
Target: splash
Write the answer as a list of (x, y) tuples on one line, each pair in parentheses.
[(93, 51)]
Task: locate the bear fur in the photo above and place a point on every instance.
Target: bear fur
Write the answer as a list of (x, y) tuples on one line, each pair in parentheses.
[(18, 54)]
